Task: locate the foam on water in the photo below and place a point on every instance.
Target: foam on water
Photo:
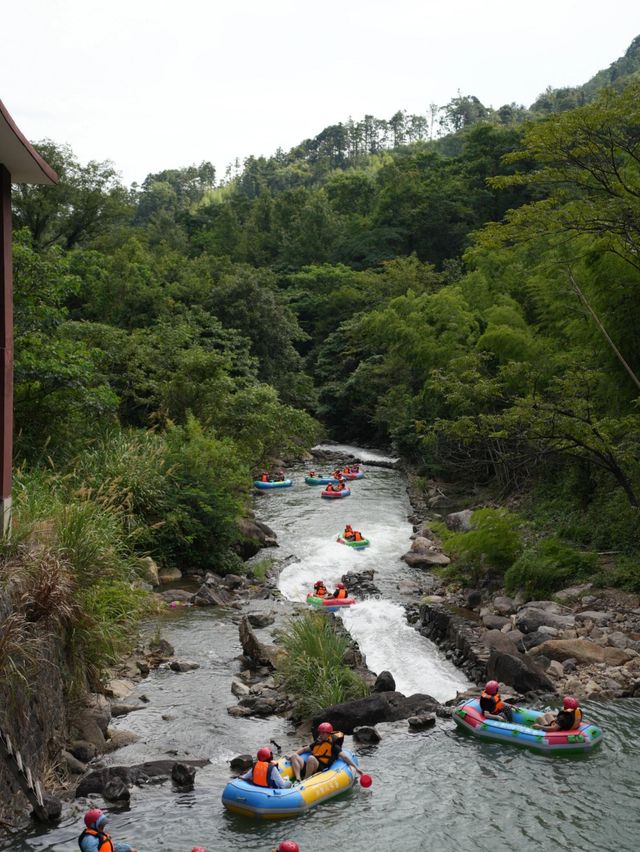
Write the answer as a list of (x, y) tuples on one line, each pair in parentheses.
[(380, 628)]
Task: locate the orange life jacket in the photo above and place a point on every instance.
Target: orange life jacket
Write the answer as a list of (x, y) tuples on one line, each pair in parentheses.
[(323, 752), (498, 703), (357, 536), (264, 477), (260, 774), (105, 843), (320, 592), (340, 594)]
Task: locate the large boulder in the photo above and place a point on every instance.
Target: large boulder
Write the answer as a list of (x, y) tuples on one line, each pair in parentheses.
[(426, 559), (259, 652), (360, 583), (96, 781), (375, 708), (529, 619), (583, 651), (149, 570), (600, 619), (459, 521), (518, 671), (384, 683), (253, 535), (208, 595), (504, 605)]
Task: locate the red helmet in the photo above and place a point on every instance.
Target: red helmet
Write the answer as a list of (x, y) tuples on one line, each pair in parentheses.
[(288, 846), (325, 728), (92, 816), (318, 583), (492, 686), (265, 753), (569, 703), (341, 586), (198, 849), (347, 526)]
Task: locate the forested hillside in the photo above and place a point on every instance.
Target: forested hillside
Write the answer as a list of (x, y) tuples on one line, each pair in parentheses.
[(469, 296)]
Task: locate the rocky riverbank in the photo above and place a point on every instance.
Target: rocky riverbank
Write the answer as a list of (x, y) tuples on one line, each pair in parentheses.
[(585, 642)]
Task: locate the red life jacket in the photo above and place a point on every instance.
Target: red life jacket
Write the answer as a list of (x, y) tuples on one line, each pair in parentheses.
[(264, 477), (320, 592), (105, 843)]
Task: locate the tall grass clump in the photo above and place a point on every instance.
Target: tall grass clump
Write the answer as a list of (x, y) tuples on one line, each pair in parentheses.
[(548, 567), (314, 671), (492, 544)]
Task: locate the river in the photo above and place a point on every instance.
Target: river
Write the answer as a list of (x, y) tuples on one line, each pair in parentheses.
[(435, 790)]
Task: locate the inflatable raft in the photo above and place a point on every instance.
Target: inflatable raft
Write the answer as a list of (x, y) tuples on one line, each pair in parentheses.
[(364, 542), (358, 475), (329, 603), (332, 495), (470, 718), (320, 480), (245, 798), (283, 483)]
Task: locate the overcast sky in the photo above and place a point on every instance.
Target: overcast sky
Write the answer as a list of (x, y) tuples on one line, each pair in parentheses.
[(153, 84)]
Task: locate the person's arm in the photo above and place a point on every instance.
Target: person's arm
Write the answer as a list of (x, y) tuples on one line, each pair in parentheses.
[(123, 847), (89, 843), (344, 756), (248, 775), (278, 780)]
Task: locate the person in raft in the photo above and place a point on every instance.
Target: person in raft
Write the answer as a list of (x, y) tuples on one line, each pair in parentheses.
[(264, 772), (340, 592), (312, 474), (336, 486), (319, 589), (264, 476), (492, 706), (95, 839), (566, 719), (350, 534), (325, 750), (279, 477)]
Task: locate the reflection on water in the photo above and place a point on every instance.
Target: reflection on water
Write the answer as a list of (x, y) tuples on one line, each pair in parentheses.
[(438, 790)]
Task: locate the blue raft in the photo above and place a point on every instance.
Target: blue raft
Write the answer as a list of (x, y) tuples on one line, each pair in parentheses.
[(470, 718), (283, 483), (245, 798)]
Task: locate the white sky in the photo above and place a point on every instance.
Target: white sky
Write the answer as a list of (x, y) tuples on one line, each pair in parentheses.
[(153, 84)]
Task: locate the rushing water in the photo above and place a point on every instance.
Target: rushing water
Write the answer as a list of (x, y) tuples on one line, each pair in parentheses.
[(438, 790)]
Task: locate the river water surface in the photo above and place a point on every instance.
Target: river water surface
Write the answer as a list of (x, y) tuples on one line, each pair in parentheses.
[(436, 790)]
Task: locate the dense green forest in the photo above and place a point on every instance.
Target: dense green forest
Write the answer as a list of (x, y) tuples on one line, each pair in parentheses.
[(462, 286)]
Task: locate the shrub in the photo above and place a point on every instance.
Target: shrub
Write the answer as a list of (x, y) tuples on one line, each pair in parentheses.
[(314, 670), (625, 575), (548, 567), (493, 542)]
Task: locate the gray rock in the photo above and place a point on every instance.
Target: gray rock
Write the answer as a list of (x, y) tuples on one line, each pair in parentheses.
[(517, 671), (529, 619), (259, 652), (366, 734), (496, 622), (601, 619), (570, 665), (207, 596), (421, 722), (183, 776), (118, 709), (181, 595), (618, 640), (119, 739), (377, 707), (51, 809), (459, 521), (83, 751), (115, 790), (555, 669), (74, 766), (425, 560), (161, 649), (260, 619), (241, 762), (238, 688), (474, 599), (504, 605), (573, 592), (238, 712), (183, 666), (384, 683)]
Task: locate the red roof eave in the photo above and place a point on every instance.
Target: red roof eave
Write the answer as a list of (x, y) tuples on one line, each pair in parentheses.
[(18, 155)]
